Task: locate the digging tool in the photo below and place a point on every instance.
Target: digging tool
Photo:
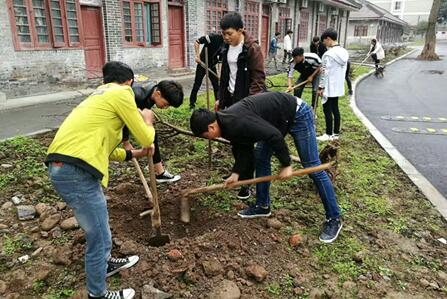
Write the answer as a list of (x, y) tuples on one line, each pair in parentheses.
[(211, 72), (296, 86), (158, 239), (186, 195), (207, 84), (143, 179)]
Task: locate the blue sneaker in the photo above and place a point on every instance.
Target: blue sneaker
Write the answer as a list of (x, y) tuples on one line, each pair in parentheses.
[(255, 212), (331, 229)]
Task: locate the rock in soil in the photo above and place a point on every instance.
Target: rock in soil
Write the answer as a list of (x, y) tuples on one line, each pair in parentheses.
[(349, 285), (295, 240), (316, 294), (3, 226), (274, 223), (230, 275), (3, 287), (17, 200), (50, 222), (70, 223), (149, 292), (257, 272), (174, 255), (41, 207), (298, 291), (129, 248), (26, 212), (62, 256), (212, 268), (7, 205), (61, 205), (226, 289), (124, 188), (49, 211), (358, 257), (443, 277)]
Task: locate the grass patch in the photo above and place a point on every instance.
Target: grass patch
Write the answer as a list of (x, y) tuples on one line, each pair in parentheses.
[(16, 244)]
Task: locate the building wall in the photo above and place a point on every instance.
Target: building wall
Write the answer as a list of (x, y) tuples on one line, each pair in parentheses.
[(412, 11), (65, 64), (362, 40)]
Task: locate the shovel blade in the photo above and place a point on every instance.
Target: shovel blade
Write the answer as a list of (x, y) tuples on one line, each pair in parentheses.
[(159, 240)]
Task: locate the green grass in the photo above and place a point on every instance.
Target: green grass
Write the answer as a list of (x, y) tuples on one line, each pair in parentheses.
[(16, 244)]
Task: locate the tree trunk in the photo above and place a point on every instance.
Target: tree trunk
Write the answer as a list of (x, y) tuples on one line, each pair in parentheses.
[(428, 53)]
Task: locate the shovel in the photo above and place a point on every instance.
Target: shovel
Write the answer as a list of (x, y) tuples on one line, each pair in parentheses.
[(143, 179), (158, 239)]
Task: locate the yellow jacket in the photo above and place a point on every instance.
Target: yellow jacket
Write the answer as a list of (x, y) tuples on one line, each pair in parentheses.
[(93, 130)]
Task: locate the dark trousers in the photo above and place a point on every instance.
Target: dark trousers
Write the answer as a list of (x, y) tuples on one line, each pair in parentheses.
[(156, 158), (200, 74), (376, 61), (330, 108), (347, 77), (247, 173), (287, 57)]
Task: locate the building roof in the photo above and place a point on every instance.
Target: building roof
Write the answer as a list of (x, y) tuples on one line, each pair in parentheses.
[(344, 4), (370, 11)]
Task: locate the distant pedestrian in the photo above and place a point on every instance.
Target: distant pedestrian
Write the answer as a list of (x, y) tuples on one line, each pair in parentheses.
[(376, 51), (214, 43), (317, 47), (273, 50), (332, 83), (287, 47)]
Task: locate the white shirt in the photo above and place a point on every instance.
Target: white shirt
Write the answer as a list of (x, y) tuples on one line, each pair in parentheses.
[(332, 77), (287, 43), (232, 55)]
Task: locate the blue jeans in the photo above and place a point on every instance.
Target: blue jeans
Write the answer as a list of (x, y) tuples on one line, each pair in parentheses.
[(83, 193), (303, 134)]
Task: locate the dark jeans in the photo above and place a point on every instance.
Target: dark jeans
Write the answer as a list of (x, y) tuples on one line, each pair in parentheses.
[(376, 61), (200, 74), (347, 77), (247, 173), (331, 108), (299, 91), (304, 137), (287, 57)]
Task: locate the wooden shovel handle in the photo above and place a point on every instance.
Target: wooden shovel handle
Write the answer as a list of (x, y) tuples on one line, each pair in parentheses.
[(263, 179), (156, 221), (296, 86), (143, 179)]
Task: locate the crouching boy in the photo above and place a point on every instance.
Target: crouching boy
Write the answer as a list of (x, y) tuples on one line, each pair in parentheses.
[(78, 160), (251, 121)]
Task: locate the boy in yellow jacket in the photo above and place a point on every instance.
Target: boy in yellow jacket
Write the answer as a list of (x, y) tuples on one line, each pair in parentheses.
[(78, 160)]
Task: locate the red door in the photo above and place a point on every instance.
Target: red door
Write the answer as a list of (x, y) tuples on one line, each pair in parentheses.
[(265, 35), (93, 41), (176, 37)]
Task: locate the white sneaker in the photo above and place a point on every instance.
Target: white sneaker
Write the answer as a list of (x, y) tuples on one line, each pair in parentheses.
[(335, 137), (324, 137)]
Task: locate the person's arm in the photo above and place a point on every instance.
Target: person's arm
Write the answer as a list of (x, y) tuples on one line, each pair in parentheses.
[(126, 109), (256, 69), (290, 76), (323, 74), (197, 51), (316, 72)]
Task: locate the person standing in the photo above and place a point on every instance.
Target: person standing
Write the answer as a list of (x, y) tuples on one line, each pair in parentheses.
[(317, 47), (242, 74), (273, 49), (332, 83), (213, 42), (376, 51), (287, 47)]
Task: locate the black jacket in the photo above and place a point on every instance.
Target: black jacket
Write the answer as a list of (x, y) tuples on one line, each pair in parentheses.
[(319, 49), (250, 77), (214, 43), (143, 92), (263, 117)]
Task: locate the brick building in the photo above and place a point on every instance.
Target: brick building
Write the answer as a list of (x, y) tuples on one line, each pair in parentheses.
[(71, 39)]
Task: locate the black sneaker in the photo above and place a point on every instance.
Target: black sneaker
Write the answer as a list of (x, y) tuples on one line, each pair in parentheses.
[(255, 212), (192, 107), (244, 193), (350, 92), (114, 265), (166, 177), (331, 229), (122, 294)]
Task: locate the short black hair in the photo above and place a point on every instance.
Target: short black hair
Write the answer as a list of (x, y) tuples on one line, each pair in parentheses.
[(331, 33), (231, 20), (200, 119), (315, 39), (172, 91), (297, 52), (277, 33), (289, 31), (116, 72), (374, 40)]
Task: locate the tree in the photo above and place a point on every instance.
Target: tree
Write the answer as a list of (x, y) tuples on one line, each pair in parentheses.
[(428, 53)]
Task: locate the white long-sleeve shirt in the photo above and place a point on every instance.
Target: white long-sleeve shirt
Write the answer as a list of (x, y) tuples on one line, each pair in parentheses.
[(287, 43), (378, 50), (333, 71)]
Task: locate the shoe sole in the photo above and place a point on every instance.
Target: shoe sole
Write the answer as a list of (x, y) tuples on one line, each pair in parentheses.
[(254, 216), (167, 180), (244, 197), (131, 295), (126, 266), (334, 238)]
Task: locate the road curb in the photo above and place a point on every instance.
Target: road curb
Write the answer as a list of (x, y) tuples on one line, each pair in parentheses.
[(45, 98), (433, 195)]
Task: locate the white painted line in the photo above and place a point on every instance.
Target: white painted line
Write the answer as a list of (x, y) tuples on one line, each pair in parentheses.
[(435, 197)]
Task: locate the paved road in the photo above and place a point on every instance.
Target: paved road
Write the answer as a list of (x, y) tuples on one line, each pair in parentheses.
[(412, 88)]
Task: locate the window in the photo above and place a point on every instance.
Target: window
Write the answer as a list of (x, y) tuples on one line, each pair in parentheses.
[(141, 23), (215, 10), (251, 18), (322, 24), (285, 22), (304, 26), (397, 5), (361, 30), (44, 23)]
